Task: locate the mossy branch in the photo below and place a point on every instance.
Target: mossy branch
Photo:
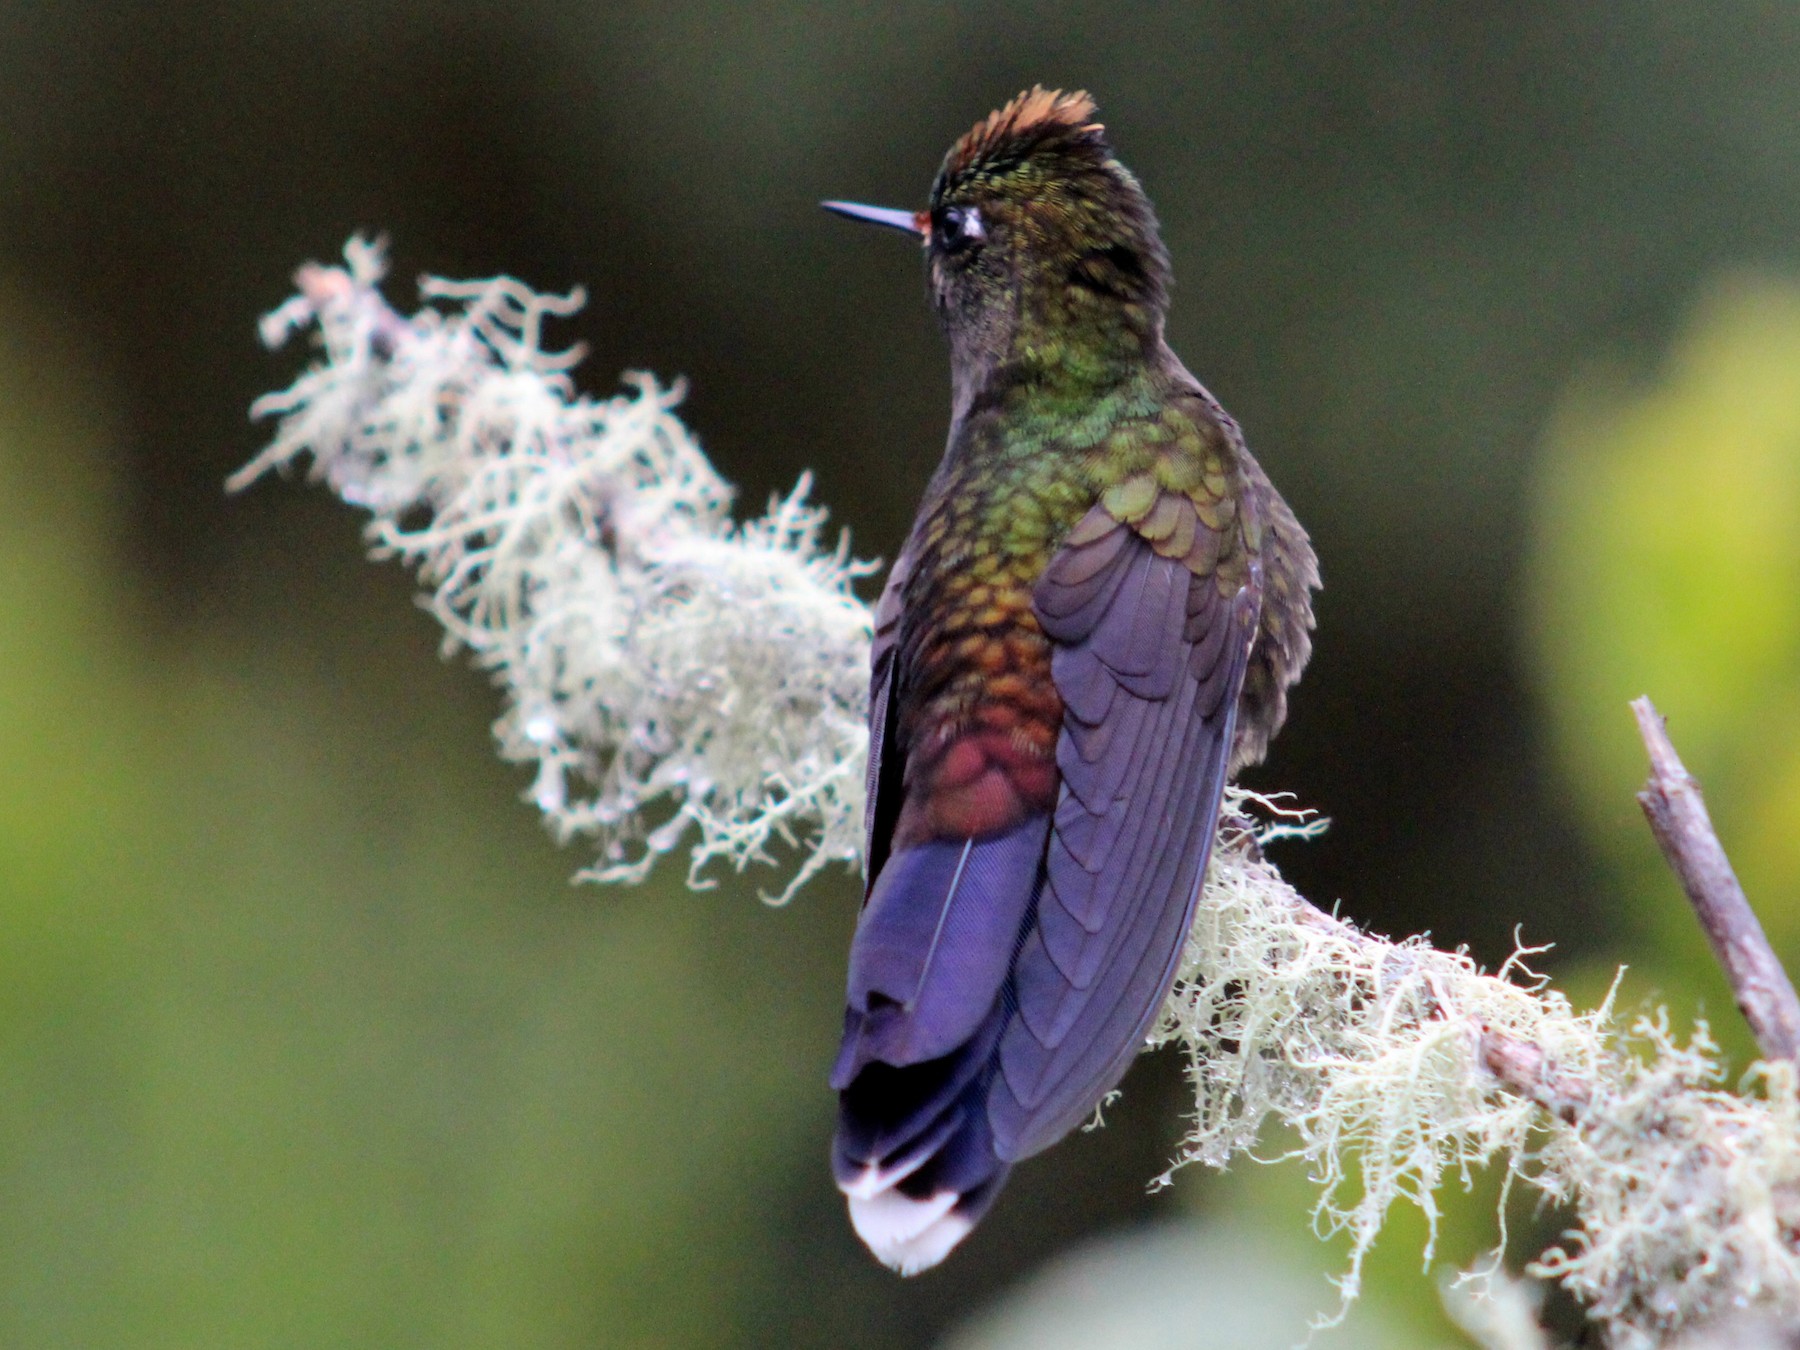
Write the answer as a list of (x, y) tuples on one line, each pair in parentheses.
[(678, 678)]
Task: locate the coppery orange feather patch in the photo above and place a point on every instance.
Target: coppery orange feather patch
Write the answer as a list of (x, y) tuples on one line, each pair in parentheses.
[(1036, 112)]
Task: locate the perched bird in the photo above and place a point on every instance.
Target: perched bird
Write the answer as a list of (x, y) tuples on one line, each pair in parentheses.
[(1093, 623)]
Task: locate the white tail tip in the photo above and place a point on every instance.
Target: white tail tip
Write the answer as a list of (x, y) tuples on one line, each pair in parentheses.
[(908, 1235)]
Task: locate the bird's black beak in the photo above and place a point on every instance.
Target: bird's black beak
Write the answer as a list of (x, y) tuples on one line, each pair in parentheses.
[(913, 222)]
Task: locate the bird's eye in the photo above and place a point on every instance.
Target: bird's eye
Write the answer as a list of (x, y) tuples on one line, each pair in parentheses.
[(962, 226)]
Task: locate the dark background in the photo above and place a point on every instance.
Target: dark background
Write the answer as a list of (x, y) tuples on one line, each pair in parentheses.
[(309, 1041)]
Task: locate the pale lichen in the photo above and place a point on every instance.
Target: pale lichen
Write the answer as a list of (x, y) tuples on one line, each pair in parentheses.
[(673, 676), (1688, 1195), (1368, 1051)]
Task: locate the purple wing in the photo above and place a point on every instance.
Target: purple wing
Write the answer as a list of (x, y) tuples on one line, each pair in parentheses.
[(1149, 661)]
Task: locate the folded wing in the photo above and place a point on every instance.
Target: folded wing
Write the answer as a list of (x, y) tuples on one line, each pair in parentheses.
[(1149, 660)]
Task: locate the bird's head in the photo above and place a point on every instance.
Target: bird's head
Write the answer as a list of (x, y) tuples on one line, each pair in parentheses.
[(1035, 232)]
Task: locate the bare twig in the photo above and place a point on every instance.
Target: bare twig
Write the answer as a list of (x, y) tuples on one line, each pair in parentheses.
[(1678, 818)]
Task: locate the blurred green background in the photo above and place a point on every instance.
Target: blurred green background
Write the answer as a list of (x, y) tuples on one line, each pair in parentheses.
[(304, 1038)]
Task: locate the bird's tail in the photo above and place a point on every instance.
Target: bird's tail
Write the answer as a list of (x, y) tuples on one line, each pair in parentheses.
[(914, 1153), (929, 998)]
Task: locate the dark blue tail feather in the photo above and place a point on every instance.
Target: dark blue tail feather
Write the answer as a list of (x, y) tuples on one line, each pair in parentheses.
[(926, 1008)]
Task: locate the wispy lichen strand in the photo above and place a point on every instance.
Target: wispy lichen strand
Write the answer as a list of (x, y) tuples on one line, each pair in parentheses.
[(678, 679), (674, 677)]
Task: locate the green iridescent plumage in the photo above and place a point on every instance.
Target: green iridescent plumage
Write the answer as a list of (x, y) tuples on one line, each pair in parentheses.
[(1095, 619)]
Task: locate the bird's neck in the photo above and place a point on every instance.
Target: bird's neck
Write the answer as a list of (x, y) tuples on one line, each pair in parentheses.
[(1059, 344)]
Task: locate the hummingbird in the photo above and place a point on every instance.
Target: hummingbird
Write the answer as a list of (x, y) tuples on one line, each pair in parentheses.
[(1093, 624)]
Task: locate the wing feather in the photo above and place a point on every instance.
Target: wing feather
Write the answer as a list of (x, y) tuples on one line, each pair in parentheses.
[(1087, 688)]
